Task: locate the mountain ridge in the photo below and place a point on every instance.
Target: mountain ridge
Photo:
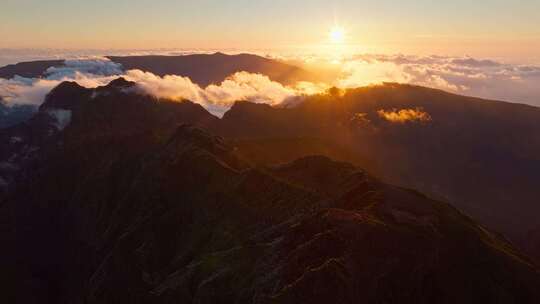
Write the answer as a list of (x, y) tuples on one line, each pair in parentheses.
[(130, 202), (481, 155)]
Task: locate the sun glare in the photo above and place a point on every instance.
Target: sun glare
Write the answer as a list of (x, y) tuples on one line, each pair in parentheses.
[(337, 35)]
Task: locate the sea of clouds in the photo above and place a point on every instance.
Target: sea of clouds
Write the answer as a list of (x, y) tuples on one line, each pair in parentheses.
[(92, 72), (463, 75), (483, 78)]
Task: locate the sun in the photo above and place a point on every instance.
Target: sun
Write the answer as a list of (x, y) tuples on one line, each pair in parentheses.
[(337, 35)]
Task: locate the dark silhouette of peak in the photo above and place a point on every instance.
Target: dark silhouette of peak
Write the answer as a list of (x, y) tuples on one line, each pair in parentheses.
[(120, 82), (67, 95), (112, 111), (31, 69)]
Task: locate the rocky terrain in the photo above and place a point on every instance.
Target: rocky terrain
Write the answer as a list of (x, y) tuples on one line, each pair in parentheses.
[(480, 155), (115, 197)]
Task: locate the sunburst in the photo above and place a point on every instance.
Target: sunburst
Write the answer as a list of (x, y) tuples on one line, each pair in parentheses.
[(337, 35)]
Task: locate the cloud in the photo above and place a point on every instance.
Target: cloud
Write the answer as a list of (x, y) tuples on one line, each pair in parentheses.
[(241, 86), (405, 115), (483, 78), (93, 72), (468, 76), (475, 63), (24, 91), (97, 66)]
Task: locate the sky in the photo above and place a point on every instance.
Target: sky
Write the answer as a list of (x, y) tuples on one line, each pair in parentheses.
[(484, 28), (482, 48)]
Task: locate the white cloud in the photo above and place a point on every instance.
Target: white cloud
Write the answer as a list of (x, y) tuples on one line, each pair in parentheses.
[(19, 90), (94, 72), (468, 76), (241, 86), (90, 73), (94, 66)]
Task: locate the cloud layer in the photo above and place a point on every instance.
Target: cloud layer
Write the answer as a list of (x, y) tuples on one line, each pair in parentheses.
[(88, 72), (468, 76), (219, 98), (463, 75), (93, 72)]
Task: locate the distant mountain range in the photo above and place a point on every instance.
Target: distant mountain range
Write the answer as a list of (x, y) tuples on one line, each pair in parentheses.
[(202, 69), (109, 196), (30, 69), (206, 69)]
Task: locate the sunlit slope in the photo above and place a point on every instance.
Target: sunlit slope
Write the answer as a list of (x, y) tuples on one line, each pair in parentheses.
[(483, 156)]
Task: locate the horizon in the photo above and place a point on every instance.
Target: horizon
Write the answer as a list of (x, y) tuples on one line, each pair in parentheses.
[(17, 55), (490, 29), (485, 78), (488, 49)]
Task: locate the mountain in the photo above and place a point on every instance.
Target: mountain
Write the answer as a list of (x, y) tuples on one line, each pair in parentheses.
[(481, 155), (203, 69), (107, 109), (31, 69), (124, 200)]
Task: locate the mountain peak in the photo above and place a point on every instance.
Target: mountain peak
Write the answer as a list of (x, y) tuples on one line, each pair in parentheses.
[(66, 95), (120, 82)]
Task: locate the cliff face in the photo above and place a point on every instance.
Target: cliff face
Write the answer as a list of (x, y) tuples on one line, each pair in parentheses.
[(124, 202)]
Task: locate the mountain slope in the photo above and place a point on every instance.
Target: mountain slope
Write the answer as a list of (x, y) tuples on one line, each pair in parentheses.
[(110, 113), (126, 204), (481, 155)]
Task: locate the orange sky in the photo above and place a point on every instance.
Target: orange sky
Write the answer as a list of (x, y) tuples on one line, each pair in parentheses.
[(489, 28)]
